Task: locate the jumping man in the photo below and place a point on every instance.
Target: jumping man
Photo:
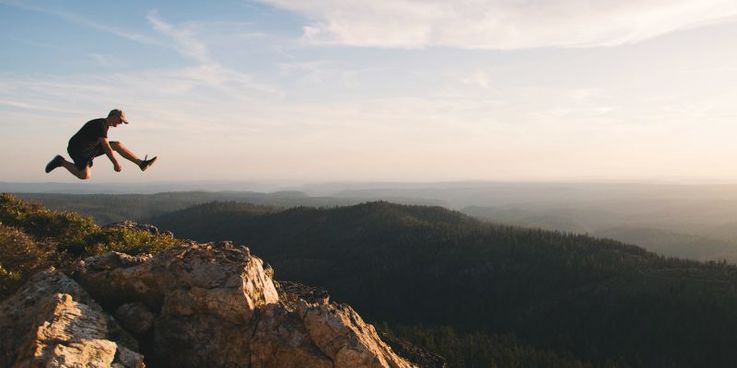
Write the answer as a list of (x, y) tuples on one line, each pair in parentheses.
[(91, 141)]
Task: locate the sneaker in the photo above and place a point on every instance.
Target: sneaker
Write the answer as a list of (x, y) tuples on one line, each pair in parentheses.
[(146, 163), (54, 163)]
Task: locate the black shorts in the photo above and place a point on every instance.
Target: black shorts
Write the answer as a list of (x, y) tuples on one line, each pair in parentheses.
[(83, 157)]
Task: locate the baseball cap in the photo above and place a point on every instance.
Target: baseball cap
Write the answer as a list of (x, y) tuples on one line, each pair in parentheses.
[(119, 113)]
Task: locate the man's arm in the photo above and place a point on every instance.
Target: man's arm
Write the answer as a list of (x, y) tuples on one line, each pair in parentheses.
[(109, 153)]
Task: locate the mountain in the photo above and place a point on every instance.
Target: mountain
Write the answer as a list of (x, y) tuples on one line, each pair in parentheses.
[(111, 208), (672, 243), (33, 238), (695, 221), (546, 220), (595, 300), (175, 303), (649, 229)]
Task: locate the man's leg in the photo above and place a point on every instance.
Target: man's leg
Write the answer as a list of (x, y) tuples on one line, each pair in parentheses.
[(59, 160), (82, 174), (130, 156), (125, 152)]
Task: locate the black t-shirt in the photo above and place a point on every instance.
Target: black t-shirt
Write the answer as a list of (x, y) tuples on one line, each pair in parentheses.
[(90, 134)]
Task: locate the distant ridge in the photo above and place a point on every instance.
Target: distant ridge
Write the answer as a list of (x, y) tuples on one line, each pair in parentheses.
[(133, 188)]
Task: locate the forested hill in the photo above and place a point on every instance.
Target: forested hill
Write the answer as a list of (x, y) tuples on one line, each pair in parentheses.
[(111, 208), (600, 300)]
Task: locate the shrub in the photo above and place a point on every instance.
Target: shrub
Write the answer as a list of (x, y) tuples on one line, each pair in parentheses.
[(40, 222), (33, 237), (77, 235), (127, 240), (20, 257)]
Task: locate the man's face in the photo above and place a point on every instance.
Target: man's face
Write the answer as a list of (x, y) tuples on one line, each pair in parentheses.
[(117, 120)]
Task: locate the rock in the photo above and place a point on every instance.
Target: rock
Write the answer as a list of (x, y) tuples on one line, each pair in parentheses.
[(291, 292), (135, 226), (342, 335), (214, 279), (135, 317), (52, 322), (205, 295), (415, 354), (193, 305), (336, 329), (281, 340), (125, 358), (114, 260)]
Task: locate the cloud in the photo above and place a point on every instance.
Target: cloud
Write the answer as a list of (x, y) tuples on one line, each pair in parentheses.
[(206, 90), (184, 38), (200, 89), (207, 71), (500, 24), (478, 78), (83, 21), (321, 72), (27, 106)]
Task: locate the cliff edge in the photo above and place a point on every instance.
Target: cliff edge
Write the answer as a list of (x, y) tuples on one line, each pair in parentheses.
[(191, 305)]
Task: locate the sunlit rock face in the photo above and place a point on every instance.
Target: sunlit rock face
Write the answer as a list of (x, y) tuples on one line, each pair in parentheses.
[(192, 305), (53, 322)]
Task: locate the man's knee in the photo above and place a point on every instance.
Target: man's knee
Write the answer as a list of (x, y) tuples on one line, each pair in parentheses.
[(85, 174), (115, 144)]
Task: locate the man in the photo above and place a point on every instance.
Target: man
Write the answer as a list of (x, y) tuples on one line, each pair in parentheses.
[(91, 141)]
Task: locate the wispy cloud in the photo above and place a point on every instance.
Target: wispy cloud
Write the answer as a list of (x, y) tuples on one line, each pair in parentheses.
[(319, 72), (27, 106), (501, 24), (185, 41), (83, 21), (196, 92), (207, 70)]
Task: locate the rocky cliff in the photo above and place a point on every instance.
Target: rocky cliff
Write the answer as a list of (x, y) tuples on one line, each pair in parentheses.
[(192, 305)]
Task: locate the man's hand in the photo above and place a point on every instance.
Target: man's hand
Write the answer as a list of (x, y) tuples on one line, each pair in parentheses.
[(109, 153)]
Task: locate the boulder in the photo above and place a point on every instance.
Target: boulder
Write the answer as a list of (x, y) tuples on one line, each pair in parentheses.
[(216, 279), (135, 317), (343, 336), (52, 322), (417, 355), (193, 305), (217, 305), (205, 296)]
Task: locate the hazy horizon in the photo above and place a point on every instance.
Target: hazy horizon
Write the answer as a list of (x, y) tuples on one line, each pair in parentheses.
[(384, 91), (338, 186), (695, 221)]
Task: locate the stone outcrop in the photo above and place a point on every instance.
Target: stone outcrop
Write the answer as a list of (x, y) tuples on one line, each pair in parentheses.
[(132, 225), (135, 317), (343, 336), (192, 305), (52, 322), (417, 355)]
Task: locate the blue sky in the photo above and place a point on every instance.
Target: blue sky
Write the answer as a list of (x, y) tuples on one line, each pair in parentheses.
[(282, 90)]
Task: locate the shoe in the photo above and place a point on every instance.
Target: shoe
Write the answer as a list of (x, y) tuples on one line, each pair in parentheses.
[(146, 163), (54, 163)]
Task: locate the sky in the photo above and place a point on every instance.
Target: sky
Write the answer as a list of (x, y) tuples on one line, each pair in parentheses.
[(381, 90)]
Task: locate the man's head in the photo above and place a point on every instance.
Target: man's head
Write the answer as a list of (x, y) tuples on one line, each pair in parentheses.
[(115, 117)]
